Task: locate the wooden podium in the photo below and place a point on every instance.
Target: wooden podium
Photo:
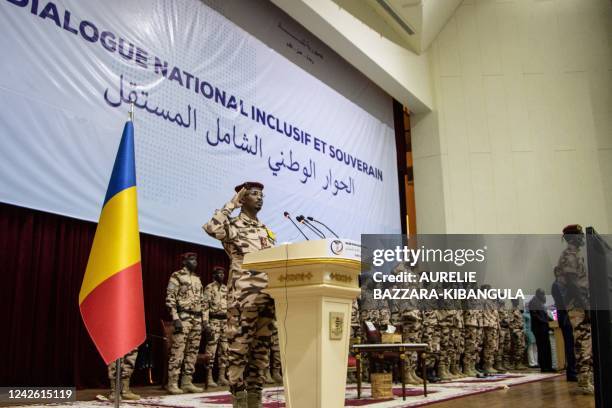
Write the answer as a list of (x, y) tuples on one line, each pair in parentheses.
[(313, 284)]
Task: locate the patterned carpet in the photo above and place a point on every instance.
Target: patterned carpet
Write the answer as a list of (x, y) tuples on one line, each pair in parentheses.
[(274, 398)]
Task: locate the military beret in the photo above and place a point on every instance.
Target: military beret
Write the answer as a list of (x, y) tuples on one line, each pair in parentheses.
[(572, 229), (218, 268), (248, 185), (188, 255)]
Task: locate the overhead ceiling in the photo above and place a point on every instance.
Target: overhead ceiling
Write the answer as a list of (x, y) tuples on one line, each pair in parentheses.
[(412, 24)]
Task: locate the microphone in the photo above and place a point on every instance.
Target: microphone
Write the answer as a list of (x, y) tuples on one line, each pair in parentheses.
[(301, 219), (286, 214), (319, 222)]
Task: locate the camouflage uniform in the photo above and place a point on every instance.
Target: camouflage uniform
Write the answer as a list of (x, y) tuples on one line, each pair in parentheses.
[(572, 268), (517, 338), (473, 331), (458, 340), (184, 299), (411, 322), (127, 366), (490, 323), (431, 336), (215, 306), (250, 311), (446, 320), (502, 357)]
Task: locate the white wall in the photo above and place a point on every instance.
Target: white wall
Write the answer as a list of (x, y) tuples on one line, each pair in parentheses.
[(521, 137)]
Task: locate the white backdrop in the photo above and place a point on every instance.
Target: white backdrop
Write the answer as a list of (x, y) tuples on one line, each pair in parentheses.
[(212, 107)]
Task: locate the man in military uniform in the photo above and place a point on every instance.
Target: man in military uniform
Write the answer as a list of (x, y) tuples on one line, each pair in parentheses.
[(517, 337), (127, 368), (502, 357), (250, 311), (472, 321), (215, 306), (574, 274), (411, 322), (184, 299), (490, 323), (458, 341), (446, 320)]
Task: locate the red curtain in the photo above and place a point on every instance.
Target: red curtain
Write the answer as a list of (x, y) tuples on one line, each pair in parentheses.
[(42, 260)]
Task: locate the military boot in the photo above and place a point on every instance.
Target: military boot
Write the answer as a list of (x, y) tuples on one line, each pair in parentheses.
[(488, 369), (239, 399), (584, 384), (443, 372), (455, 372), (412, 377), (111, 396), (254, 399), (469, 370), (211, 382), (276, 376), (222, 380), (172, 387), (520, 366), (431, 376), (126, 393), (499, 367), (187, 385), (269, 379)]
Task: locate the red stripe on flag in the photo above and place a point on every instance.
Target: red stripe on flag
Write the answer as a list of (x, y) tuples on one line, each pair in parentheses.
[(114, 313)]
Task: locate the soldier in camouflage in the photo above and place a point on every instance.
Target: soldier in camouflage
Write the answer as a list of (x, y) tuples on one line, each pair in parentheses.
[(517, 337), (446, 320), (411, 323), (127, 368), (215, 306), (573, 272), (250, 311), (490, 323), (473, 331), (458, 340), (184, 300), (502, 357)]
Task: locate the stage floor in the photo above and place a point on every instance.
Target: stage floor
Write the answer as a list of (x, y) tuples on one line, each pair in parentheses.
[(511, 390)]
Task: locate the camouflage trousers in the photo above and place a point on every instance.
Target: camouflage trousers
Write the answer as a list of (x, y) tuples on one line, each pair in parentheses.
[(517, 345), (458, 340), (503, 345), (447, 347), (217, 344), (249, 331), (185, 347), (489, 344), (377, 317), (411, 333), (582, 343), (275, 360), (472, 344), (127, 366), (431, 336)]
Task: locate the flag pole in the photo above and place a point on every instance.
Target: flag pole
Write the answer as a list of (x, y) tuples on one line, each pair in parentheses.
[(117, 382)]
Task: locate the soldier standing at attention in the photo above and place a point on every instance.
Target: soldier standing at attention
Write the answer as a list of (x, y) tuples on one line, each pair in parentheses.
[(127, 368), (215, 305), (517, 337), (250, 311), (573, 273), (184, 299), (490, 323), (472, 320)]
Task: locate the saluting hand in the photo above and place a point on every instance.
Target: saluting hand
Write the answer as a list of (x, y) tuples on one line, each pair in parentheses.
[(237, 199)]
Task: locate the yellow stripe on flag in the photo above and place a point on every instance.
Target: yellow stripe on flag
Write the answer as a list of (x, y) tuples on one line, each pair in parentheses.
[(116, 243)]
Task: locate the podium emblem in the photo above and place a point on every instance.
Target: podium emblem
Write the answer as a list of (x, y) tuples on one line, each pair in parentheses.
[(336, 325)]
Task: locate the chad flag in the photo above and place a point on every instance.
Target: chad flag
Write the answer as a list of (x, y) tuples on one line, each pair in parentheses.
[(111, 298)]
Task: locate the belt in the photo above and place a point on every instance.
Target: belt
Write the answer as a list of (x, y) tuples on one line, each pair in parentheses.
[(218, 316)]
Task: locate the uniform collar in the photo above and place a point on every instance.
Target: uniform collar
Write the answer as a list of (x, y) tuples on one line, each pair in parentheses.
[(248, 220)]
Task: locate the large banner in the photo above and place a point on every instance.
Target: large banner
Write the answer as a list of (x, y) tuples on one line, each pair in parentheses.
[(213, 107)]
